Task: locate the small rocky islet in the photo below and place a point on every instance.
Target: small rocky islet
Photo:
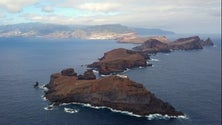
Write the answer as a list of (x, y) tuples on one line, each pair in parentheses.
[(118, 91)]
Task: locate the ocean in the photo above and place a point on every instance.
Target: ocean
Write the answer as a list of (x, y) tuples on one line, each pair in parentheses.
[(189, 80)]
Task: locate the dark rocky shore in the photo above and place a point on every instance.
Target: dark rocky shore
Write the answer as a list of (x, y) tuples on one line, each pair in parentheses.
[(117, 92)]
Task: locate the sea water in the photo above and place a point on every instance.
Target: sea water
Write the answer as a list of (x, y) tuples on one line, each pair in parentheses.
[(189, 80)]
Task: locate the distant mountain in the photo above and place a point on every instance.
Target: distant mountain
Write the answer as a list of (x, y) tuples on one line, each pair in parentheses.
[(144, 31), (108, 31)]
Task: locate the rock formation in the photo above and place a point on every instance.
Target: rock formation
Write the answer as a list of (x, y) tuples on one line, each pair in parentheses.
[(153, 46), (134, 38), (88, 75), (207, 42), (114, 91), (118, 60), (189, 43), (68, 72)]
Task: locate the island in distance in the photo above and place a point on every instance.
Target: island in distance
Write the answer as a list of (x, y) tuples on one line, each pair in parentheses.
[(189, 43), (117, 92)]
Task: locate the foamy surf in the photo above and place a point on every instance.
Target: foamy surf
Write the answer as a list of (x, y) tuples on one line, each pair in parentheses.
[(141, 67), (149, 117), (70, 110), (44, 98), (154, 60), (49, 107), (165, 117), (44, 88), (95, 71), (127, 69)]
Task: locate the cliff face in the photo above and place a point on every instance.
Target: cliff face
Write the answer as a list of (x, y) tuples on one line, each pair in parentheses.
[(207, 42), (153, 46), (189, 43), (118, 60), (186, 43), (114, 91)]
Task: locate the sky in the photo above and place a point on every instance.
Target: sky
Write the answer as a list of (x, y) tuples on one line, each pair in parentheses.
[(180, 16)]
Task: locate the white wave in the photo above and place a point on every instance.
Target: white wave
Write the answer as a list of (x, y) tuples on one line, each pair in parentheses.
[(167, 54), (105, 75), (214, 45), (154, 60), (49, 107), (70, 110), (127, 69), (165, 117), (44, 88), (149, 117), (141, 67), (95, 71), (44, 98), (64, 104)]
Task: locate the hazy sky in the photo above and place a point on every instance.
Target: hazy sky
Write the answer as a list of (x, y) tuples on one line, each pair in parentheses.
[(181, 16)]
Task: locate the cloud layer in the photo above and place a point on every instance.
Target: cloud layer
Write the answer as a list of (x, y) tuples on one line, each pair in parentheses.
[(179, 16)]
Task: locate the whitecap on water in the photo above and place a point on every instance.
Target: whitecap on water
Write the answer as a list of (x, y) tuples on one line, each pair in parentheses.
[(154, 60), (141, 67), (95, 71), (44, 98), (70, 110), (49, 107), (44, 88)]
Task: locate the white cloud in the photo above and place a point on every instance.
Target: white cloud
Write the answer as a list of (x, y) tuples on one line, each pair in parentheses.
[(48, 9), (15, 5), (105, 7), (2, 16), (179, 15)]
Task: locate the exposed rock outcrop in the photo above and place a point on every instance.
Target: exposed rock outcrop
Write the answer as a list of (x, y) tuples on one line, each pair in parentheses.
[(189, 43), (153, 46), (118, 60), (88, 75), (68, 72), (115, 92), (207, 42)]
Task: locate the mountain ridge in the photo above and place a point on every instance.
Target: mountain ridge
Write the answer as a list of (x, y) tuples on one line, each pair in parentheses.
[(48, 30)]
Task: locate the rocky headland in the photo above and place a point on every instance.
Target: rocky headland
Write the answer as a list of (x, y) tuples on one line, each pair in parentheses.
[(118, 60), (116, 92), (189, 43), (134, 38)]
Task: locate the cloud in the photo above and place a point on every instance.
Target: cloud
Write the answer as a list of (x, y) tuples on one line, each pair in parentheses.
[(177, 15), (2, 16), (105, 7), (48, 9), (15, 5)]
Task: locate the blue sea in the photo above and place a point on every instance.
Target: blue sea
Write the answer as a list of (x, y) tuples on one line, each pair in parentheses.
[(189, 80)]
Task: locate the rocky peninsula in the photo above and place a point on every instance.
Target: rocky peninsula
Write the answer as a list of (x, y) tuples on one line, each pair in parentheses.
[(116, 92), (118, 60), (189, 43), (134, 38)]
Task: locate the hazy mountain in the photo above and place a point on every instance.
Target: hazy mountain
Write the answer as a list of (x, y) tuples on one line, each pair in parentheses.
[(108, 31)]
